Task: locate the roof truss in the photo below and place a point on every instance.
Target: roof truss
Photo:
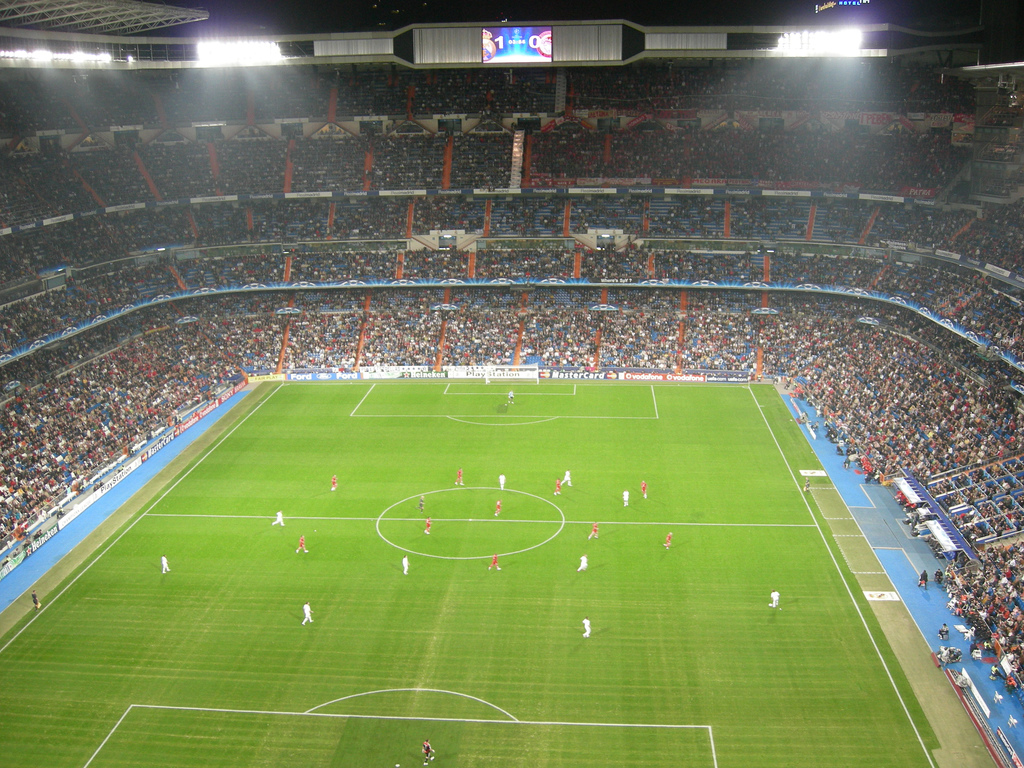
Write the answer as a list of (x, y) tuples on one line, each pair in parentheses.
[(122, 17)]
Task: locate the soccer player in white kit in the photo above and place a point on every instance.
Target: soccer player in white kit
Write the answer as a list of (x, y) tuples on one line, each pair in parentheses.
[(501, 482), (583, 564), (164, 567), (405, 565), (511, 397), (775, 599), (586, 627), (567, 479), (307, 613), (280, 519), (625, 498)]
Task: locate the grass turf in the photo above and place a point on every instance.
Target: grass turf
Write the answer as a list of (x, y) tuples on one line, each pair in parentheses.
[(209, 665)]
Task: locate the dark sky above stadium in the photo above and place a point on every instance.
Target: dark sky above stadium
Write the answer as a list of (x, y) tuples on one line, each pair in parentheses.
[(309, 16)]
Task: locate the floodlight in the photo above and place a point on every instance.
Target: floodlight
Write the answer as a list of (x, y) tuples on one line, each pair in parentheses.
[(219, 53), (43, 55), (842, 42)]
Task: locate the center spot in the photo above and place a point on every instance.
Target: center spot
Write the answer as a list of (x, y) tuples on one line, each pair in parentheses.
[(464, 526)]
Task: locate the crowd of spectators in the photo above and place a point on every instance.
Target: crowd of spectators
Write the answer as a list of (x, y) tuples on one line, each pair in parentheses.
[(184, 97), (844, 160), (988, 599), (905, 393), (975, 302)]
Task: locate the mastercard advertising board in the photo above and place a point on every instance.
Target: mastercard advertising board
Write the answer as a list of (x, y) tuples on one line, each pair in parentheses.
[(516, 45)]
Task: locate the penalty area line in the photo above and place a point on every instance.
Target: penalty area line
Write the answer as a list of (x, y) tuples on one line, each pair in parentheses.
[(419, 718), (361, 401)]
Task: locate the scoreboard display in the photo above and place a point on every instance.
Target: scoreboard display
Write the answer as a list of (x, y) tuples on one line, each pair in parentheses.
[(516, 45)]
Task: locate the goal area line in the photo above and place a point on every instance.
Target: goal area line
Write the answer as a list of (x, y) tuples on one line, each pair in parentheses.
[(467, 720), (495, 393)]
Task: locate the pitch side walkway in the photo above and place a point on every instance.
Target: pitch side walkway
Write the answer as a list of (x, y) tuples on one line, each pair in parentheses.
[(876, 517), (21, 579)]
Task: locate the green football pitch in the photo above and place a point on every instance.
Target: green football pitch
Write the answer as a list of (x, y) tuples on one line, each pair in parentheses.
[(210, 665)]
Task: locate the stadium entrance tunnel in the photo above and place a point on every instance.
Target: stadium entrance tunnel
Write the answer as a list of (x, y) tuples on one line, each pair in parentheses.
[(463, 524)]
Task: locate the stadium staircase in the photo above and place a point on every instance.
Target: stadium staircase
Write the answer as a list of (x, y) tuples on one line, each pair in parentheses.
[(362, 333), (289, 167), (177, 277), (517, 357), (214, 167), (439, 358), (487, 218), (85, 185), (727, 226), (810, 222), (527, 158), (516, 173), (560, 91), (368, 168), (879, 277), (161, 114), (192, 223), (332, 105), (962, 229), (330, 220), (868, 227), (683, 302), (149, 179), (446, 171)]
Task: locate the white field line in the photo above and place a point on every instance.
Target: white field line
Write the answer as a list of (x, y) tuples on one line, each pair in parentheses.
[(102, 743), (491, 520), (655, 399), (518, 394), (485, 416), (509, 715), (361, 401), (849, 591), (152, 504), (470, 720)]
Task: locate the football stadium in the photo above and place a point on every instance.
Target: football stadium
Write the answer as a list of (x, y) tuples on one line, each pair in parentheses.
[(292, 327)]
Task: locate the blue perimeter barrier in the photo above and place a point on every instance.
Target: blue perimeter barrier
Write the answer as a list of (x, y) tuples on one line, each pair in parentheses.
[(21, 579), (902, 557)]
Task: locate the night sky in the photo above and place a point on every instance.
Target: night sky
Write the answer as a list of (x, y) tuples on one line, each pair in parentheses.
[(310, 16)]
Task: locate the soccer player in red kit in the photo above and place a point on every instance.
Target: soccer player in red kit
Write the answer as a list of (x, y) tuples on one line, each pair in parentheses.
[(558, 487), (668, 541), (497, 509), (593, 533), (334, 482), (458, 477), (643, 488), (428, 751), (302, 545), (494, 563), (428, 526)]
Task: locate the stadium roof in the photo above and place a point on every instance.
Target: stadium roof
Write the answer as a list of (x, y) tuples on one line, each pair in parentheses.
[(122, 17)]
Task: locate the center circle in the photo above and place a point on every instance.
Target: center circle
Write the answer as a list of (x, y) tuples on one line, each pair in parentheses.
[(467, 519)]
